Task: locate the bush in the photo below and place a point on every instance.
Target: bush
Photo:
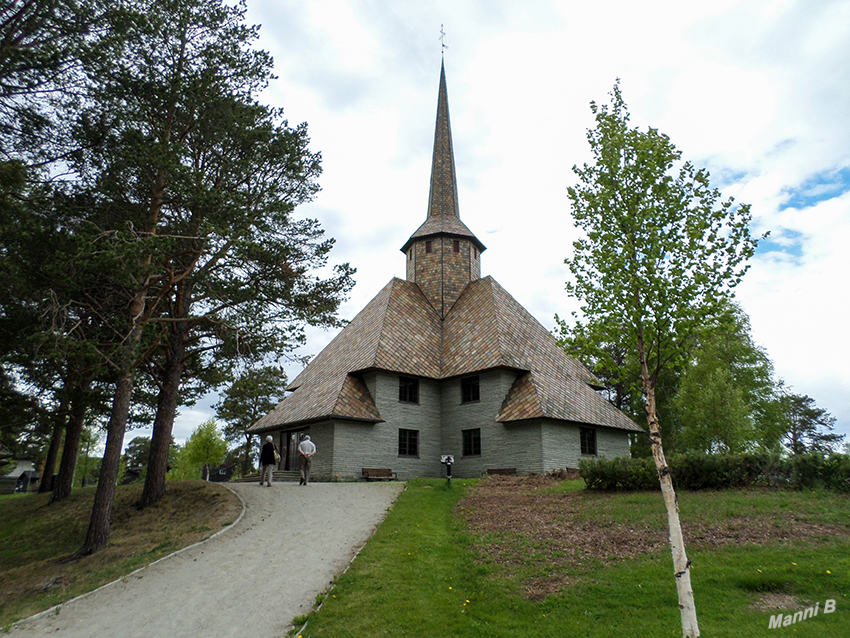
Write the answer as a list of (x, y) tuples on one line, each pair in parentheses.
[(813, 471), (721, 471), (619, 474)]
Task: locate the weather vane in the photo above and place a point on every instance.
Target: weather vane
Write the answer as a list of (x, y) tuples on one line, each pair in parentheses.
[(442, 39)]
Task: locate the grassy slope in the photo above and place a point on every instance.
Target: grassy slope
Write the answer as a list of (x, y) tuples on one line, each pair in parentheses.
[(37, 538), (421, 575), (425, 573)]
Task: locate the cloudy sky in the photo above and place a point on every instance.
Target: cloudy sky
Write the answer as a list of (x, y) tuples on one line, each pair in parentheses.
[(756, 91)]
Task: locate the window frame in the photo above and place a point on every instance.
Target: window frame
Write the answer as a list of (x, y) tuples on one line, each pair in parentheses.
[(587, 439), (471, 442), (408, 443), (404, 393), (467, 389)]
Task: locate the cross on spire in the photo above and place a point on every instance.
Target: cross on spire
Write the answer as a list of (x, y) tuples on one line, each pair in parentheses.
[(443, 44)]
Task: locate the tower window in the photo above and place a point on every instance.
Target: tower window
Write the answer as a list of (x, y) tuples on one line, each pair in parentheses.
[(456, 246), (469, 392), (428, 247), (408, 390)]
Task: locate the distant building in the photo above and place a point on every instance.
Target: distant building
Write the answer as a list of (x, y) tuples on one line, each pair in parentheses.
[(445, 363), (22, 478)]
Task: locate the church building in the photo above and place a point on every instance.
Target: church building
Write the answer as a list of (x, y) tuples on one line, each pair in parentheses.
[(445, 362)]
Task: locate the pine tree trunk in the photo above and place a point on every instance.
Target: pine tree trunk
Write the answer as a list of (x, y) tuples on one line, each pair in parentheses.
[(162, 428), (169, 395), (681, 564), (46, 484), (97, 536), (64, 481)]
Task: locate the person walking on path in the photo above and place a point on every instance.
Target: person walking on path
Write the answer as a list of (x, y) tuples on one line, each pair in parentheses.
[(267, 461), (306, 449)]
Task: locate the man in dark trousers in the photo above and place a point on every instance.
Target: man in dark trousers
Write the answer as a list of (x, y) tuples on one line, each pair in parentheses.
[(306, 449)]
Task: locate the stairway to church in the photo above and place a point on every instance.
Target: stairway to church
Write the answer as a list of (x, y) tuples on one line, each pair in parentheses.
[(278, 476)]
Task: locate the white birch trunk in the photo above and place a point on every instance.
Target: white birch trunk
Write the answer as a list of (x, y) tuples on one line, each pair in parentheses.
[(681, 564)]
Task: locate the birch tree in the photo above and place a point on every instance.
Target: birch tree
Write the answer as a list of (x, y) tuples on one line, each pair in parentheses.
[(659, 256)]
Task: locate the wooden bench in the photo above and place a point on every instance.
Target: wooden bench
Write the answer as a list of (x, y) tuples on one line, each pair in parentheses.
[(507, 471), (379, 474)]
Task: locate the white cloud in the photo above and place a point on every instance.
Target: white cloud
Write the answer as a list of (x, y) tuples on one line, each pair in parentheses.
[(756, 90)]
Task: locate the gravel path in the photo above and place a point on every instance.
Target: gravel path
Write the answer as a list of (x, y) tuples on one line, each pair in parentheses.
[(250, 580)]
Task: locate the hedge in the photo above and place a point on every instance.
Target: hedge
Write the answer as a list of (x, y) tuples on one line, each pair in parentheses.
[(721, 471)]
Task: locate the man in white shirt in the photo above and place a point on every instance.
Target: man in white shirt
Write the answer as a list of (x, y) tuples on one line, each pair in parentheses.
[(306, 449)]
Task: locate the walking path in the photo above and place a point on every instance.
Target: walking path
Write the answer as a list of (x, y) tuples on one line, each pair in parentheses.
[(250, 580)]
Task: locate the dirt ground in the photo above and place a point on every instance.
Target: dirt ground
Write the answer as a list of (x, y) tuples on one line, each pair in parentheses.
[(521, 523), (250, 580)]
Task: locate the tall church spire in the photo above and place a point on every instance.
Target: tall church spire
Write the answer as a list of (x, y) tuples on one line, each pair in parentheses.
[(443, 255), (442, 199)]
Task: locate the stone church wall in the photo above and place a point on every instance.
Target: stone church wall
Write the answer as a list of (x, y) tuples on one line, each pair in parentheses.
[(500, 446), (423, 417), (562, 444)]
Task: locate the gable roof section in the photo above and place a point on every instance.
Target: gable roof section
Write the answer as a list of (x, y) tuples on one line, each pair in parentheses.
[(398, 330), (487, 328)]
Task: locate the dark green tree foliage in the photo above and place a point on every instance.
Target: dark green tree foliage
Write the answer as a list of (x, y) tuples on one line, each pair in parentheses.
[(240, 268), (659, 257), (164, 240), (249, 397), (137, 451), (809, 428), (42, 44)]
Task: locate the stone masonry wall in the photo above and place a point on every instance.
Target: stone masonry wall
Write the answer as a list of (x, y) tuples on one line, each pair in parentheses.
[(562, 444), (500, 446)]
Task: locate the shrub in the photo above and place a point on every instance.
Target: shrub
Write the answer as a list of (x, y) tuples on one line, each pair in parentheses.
[(696, 471)]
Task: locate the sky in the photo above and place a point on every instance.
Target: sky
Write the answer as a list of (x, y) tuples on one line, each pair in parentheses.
[(757, 92)]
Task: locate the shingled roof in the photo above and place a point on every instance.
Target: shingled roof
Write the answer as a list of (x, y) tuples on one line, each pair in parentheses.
[(400, 332), (487, 328)]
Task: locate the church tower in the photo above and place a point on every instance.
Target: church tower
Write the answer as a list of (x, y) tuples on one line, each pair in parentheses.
[(443, 255)]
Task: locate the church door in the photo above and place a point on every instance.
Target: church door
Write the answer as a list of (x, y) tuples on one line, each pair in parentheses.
[(290, 459)]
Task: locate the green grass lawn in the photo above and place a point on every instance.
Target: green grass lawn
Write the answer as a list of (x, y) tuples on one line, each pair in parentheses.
[(424, 573)]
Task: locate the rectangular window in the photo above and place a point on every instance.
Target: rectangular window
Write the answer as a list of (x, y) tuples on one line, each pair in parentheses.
[(427, 246), (588, 441), (469, 390), (456, 246), (472, 442), (408, 390), (408, 442)]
